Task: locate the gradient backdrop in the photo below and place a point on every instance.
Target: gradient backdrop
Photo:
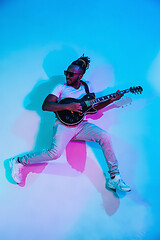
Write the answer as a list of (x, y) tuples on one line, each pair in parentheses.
[(66, 199)]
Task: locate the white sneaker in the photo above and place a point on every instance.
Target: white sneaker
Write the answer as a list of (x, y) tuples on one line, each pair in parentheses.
[(16, 169), (117, 183)]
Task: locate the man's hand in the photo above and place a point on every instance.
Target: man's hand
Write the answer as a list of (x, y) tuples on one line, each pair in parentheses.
[(74, 107), (117, 96)]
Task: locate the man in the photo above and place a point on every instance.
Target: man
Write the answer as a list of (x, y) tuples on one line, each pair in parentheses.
[(73, 88)]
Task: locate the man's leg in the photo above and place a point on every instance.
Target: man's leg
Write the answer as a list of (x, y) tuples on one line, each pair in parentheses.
[(90, 132), (61, 138)]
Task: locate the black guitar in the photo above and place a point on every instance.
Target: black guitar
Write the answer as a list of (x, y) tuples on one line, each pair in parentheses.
[(87, 102)]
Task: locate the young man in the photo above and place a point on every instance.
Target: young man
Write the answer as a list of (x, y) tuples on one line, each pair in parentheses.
[(73, 88)]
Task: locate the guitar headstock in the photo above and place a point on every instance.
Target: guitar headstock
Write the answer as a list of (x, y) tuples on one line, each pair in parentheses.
[(136, 90)]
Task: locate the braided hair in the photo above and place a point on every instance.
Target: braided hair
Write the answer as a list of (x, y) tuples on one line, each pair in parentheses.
[(83, 62)]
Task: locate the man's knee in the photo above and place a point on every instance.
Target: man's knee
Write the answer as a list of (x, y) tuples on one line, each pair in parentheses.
[(104, 138), (55, 153)]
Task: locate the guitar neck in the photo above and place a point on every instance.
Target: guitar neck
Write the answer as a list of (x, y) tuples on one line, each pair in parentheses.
[(107, 97)]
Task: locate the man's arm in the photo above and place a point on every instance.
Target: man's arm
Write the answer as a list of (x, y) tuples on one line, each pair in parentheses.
[(50, 104), (103, 104), (116, 97)]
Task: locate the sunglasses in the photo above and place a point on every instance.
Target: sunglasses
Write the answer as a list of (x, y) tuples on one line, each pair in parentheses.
[(71, 74)]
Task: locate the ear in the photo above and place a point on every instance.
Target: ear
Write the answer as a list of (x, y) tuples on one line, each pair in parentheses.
[(80, 76)]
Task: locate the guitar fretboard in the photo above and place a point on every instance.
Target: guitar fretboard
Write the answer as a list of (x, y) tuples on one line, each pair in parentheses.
[(107, 97)]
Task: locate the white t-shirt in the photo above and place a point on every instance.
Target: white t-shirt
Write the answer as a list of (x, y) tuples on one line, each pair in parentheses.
[(63, 91)]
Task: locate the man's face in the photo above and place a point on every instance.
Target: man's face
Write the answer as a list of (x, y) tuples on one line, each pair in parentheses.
[(73, 74)]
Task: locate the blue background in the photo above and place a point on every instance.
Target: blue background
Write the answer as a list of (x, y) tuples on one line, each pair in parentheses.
[(58, 200)]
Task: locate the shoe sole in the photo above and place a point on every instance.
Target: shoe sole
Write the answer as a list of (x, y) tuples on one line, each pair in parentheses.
[(11, 166), (110, 189), (114, 188)]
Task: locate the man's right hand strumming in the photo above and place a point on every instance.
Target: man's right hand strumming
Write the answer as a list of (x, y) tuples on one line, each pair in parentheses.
[(74, 107)]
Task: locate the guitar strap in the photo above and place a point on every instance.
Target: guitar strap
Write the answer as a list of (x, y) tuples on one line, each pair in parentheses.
[(87, 88)]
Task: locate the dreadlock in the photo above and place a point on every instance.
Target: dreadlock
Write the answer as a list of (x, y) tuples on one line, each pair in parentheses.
[(82, 62)]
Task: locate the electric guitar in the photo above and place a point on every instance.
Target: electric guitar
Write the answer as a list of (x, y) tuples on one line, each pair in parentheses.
[(87, 102)]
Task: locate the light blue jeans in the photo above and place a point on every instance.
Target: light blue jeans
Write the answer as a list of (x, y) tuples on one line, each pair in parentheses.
[(82, 132)]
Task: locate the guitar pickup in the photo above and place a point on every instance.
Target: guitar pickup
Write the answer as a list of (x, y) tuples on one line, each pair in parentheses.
[(87, 103)]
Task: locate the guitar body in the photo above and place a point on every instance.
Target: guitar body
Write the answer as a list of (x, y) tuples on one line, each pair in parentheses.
[(87, 102), (73, 118)]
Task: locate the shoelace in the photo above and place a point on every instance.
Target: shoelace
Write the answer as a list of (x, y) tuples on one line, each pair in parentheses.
[(120, 181)]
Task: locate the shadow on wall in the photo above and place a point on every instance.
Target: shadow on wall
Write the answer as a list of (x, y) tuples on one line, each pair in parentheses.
[(34, 101)]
